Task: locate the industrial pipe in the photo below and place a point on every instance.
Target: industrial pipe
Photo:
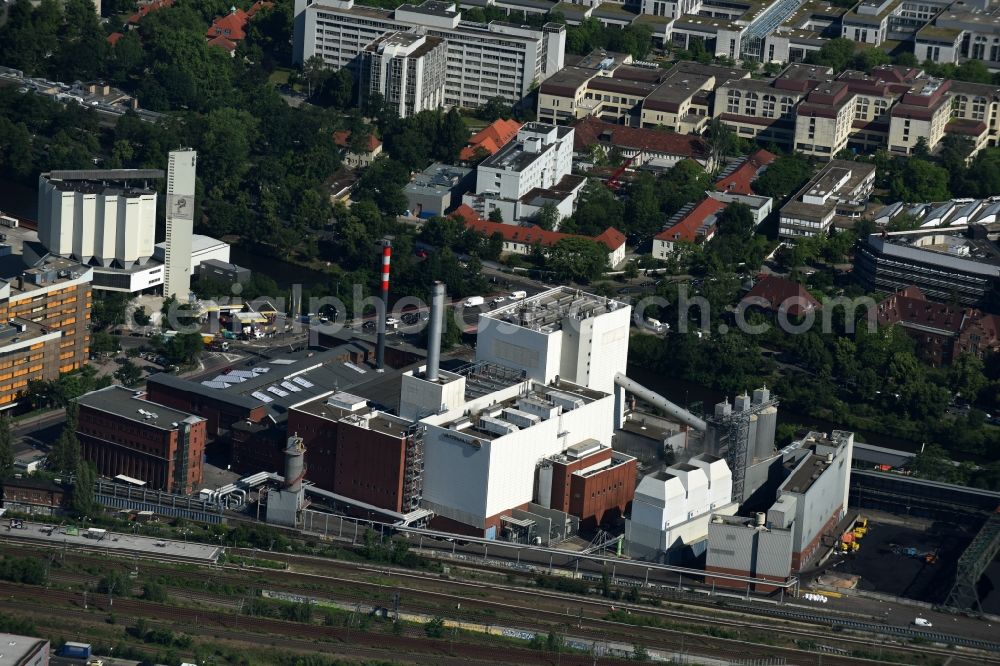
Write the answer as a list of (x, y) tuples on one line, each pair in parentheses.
[(384, 312), (434, 334), (679, 413)]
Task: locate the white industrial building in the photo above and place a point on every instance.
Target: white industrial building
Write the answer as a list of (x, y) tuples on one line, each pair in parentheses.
[(562, 333), (815, 476), (98, 218), (203, 248), (104, 218), (543, 382), (528, 172), (671, 509), (497, 59)]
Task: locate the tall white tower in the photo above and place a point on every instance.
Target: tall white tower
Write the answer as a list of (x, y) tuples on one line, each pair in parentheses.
[(180, 223)]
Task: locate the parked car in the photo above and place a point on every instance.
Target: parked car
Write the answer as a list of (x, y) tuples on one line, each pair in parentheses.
[(473, 301), (517, 295)]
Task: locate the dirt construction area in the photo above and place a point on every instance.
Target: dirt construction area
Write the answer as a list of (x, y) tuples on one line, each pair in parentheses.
[(914, 563)]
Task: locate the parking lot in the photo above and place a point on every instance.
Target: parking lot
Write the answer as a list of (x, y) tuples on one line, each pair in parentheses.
[(883, 570)]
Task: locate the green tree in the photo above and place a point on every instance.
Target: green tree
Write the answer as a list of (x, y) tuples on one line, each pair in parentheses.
[(494, 109), (966, 376), (434, 628), (65, 455), (547, 216), (82, 500), (837, 53), (6, 447), (153, 591), (577, 259), (129, 374), (919, 180), (783, 177)]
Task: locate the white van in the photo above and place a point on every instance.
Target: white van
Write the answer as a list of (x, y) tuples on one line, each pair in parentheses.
[(922, 622), (517, 295), (473, 301)]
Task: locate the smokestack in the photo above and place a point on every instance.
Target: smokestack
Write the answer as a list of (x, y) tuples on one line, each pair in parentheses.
[(434, 335), (380, 348)]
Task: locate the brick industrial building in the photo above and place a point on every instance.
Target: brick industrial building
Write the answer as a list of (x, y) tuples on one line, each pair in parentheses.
[(369, 456), (44, 318), (249, 407), (122, 434), (591, 482), (35, 496)]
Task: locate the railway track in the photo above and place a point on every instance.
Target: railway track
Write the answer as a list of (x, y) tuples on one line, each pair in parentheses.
[(552, 612)]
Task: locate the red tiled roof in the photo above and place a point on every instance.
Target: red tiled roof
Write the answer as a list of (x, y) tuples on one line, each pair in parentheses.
[(343, 139), (257, 6), (687, 228), (610, 238), (223, 42), (590, 130), (229, 26), (779, 292), (491, 138), (232, 25), (738, 182), (146, 9), (114, 37), (910, 306)]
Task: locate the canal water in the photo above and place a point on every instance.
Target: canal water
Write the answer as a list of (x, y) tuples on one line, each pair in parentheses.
[(18, 199)]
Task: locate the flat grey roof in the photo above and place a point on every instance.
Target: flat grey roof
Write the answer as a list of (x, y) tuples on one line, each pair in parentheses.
[(264, 380), (127, 404), (107, 174), (545, 311)]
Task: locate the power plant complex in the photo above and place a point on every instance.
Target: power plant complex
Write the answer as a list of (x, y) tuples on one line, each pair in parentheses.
[(539, 439)]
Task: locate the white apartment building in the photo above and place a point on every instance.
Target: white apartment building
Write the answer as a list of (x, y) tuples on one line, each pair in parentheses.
[(407, 69), (484, 60), (536, 166), (97, 217)]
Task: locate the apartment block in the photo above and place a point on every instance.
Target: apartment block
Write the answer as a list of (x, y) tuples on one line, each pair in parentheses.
[(608, 87), (407, 70), (123, 434), (923, 111), (484, 61), (765, 110), (44, 323), (532, 170), (840, 188)]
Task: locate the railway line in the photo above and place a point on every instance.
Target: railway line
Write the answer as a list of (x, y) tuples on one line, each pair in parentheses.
[(550, 610)]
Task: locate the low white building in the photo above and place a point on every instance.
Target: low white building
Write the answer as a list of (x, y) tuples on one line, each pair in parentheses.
[(671, 509), (203, 248)]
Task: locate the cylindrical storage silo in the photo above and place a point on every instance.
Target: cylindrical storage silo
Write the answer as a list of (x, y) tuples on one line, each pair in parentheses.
[(767, 423), (294, 464)]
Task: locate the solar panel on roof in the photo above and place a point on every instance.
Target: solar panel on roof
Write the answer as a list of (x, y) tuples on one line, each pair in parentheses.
[(229, 379), (246, 374), (261, 370), (262, 396), (277, 391), (303, 382), (215, 384), (291, 387)]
